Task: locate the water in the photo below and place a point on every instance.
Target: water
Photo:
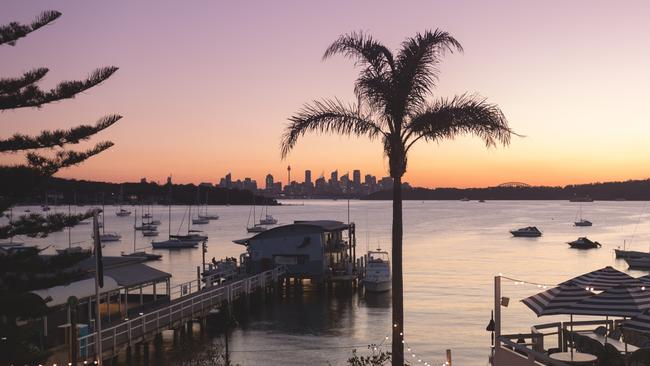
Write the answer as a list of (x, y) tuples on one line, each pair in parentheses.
[(452, 251)]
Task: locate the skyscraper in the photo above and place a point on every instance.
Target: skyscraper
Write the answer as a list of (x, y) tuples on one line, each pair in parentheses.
[(308, 176), (356, 178), (334, 177), (269, 182)]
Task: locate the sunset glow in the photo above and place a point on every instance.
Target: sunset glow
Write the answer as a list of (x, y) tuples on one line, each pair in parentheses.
[(206, 88)]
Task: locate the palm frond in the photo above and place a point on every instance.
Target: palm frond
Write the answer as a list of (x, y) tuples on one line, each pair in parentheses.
[(416, 65), (328, 116), (363, 48), (446, 119)]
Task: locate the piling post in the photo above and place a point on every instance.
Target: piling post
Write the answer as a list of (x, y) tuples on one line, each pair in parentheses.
[(198, 278), (146, 353), (448, 357), (497, 311)]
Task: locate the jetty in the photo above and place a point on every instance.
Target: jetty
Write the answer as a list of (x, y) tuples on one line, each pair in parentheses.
[(189, 301)]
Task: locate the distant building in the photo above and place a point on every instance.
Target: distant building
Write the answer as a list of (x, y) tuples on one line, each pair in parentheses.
[(334, 177), (143, 180), (269, 182), (206, 184), (356, 178), (308, 177), (386, 183)]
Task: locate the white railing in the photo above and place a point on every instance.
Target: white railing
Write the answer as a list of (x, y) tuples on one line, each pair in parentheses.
[(177, 311)]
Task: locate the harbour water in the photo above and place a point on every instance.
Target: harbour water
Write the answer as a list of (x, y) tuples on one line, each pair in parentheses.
[(452, 251)]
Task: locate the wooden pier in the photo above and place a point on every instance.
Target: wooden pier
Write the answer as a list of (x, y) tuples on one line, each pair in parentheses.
[(194, 301)]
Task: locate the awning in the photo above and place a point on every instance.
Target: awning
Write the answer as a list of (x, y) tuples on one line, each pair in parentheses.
[(136, 274), (81, 289)]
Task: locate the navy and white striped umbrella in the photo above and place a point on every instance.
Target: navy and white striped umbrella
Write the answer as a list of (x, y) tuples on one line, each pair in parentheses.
[(640, 323), (557, 300), (627, 301), (603, 279), (645, 279)]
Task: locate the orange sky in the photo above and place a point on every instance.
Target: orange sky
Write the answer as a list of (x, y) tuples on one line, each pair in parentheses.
[(207, 88)]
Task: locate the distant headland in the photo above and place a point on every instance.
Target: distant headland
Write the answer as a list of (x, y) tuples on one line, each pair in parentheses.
[(631, 190)]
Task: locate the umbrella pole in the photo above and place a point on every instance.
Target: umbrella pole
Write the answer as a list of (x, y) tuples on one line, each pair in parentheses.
[(606, 327), (624, 340), (572, 335)]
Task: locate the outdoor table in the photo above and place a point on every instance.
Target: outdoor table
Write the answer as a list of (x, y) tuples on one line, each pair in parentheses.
[(575, 358), (620, 346)]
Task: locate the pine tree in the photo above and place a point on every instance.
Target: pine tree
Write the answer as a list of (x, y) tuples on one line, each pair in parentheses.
[(45, 154)]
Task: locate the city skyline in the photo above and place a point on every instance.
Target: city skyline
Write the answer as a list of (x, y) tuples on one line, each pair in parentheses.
[(189, 93)]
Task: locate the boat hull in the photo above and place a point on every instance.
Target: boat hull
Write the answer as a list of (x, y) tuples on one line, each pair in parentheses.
[(174, 244), (518, 234), (638, 263), (377, 286), (630, 254)]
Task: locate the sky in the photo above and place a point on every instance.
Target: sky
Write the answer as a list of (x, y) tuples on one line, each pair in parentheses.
[(206, 87)]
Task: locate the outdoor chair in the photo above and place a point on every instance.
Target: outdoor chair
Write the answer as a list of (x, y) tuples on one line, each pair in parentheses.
[(640, 357), (612, 357), (615, 334), (601, 331)]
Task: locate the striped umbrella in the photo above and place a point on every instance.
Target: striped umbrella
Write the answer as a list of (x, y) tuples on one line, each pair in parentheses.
[(645, 279), (556, 300), (640, 323), (620, 300), (603, 279)]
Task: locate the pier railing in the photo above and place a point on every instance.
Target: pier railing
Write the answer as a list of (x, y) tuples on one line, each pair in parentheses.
[(190, 304)]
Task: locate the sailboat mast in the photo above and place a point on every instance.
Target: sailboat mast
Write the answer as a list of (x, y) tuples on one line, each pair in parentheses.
[(69, 234), (135, 224)]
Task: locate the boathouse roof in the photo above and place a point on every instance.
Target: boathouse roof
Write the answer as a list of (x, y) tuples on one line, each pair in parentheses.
[(315, 225), (136, 275)]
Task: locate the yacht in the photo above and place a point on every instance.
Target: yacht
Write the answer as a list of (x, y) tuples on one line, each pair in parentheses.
[(150, 232), (257, 228), (268, 220), (123, 213), (200, 221), (377, 277), (526, 232), (192, 235), (142, 255), (584, 243), (145, 227), (583, 222), (106, 237), (638, 263), (209, 217), (73, 250), (173, 243)]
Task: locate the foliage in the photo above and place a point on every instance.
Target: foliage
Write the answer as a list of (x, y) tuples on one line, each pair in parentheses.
[(375, 359)]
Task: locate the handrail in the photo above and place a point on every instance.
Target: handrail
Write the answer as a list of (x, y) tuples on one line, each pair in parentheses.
[(529, 353), (164, 317)]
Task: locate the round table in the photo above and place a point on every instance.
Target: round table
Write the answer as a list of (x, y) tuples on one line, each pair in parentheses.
[(575, 358)]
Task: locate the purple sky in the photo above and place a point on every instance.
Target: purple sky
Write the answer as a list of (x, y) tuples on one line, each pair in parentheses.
[(206, 87)]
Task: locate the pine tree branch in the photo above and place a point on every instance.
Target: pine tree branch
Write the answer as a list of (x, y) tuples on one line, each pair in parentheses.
[(49, 139), (13, 85), (37, 225), (64, 159), (13, 31), (32, 96)]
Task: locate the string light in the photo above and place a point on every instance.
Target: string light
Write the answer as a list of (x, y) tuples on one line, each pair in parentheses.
[(521, 282), (377, 347)]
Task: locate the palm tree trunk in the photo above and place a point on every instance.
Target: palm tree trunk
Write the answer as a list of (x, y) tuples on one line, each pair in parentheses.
[(397, 288)]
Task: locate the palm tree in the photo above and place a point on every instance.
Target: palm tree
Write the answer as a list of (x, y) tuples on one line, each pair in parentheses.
[(392, 105)]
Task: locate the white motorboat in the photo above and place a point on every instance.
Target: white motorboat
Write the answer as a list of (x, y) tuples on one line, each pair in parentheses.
[(584, 243), (377, 277), (583, 222)]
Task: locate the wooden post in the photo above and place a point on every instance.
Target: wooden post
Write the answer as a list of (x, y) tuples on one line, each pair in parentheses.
[(198, 276), (448, 357), (497, 311)]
